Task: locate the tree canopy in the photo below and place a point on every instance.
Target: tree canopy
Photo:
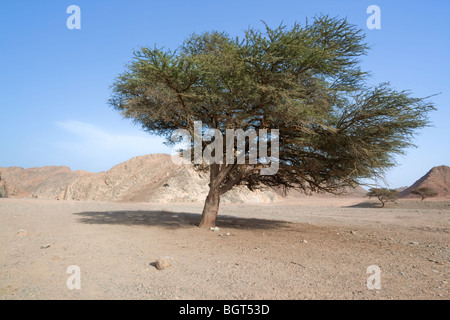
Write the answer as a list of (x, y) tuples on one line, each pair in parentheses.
[(383, 194), (305, 81), (424, 192)]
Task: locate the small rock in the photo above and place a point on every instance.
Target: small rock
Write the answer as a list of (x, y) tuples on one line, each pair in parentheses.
[(214, 228), (304, 241), (163, 263), (414, 243), (22, 233), (434, 261), (45, 246), (228, 234)]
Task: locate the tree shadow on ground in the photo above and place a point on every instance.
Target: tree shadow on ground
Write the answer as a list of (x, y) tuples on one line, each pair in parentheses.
[(366, 204), (173, 220)]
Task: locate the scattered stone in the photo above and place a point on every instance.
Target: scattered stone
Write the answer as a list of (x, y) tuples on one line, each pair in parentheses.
[(228, 234), (415, 243), (214, 228), (163, 263), (434, 261), (298, 264), (22, 233), (45, 246)]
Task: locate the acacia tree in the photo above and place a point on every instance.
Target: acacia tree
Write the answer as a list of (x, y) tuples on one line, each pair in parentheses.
[(424, 192), (383, 194), (305, 81)]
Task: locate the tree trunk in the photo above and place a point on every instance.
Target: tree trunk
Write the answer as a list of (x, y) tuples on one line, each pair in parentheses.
[(211, 208), (219, 183), (382, 202)]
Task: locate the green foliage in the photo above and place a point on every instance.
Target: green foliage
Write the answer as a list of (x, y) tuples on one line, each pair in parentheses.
[(383, 194), (304, 80), (424, 192)]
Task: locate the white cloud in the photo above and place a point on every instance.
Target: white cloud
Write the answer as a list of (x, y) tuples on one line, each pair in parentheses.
[(100, 149)]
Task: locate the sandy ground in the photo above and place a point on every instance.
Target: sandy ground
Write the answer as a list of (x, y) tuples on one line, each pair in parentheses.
[(319, 249)]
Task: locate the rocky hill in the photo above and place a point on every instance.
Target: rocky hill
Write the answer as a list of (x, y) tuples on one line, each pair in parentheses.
[(154, 178), (438, 178), (43, 182), (150, 178)]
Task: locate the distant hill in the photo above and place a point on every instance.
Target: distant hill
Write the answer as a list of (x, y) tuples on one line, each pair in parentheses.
[(44, 182), (150, 178), (401, 189), (438, 178)]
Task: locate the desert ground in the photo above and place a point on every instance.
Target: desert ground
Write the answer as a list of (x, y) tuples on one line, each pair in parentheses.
[(315, 248)]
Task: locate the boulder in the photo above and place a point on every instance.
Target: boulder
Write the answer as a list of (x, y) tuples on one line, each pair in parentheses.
[(163, 263)]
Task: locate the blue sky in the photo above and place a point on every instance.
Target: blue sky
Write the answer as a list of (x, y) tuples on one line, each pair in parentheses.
[(55, 82)]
